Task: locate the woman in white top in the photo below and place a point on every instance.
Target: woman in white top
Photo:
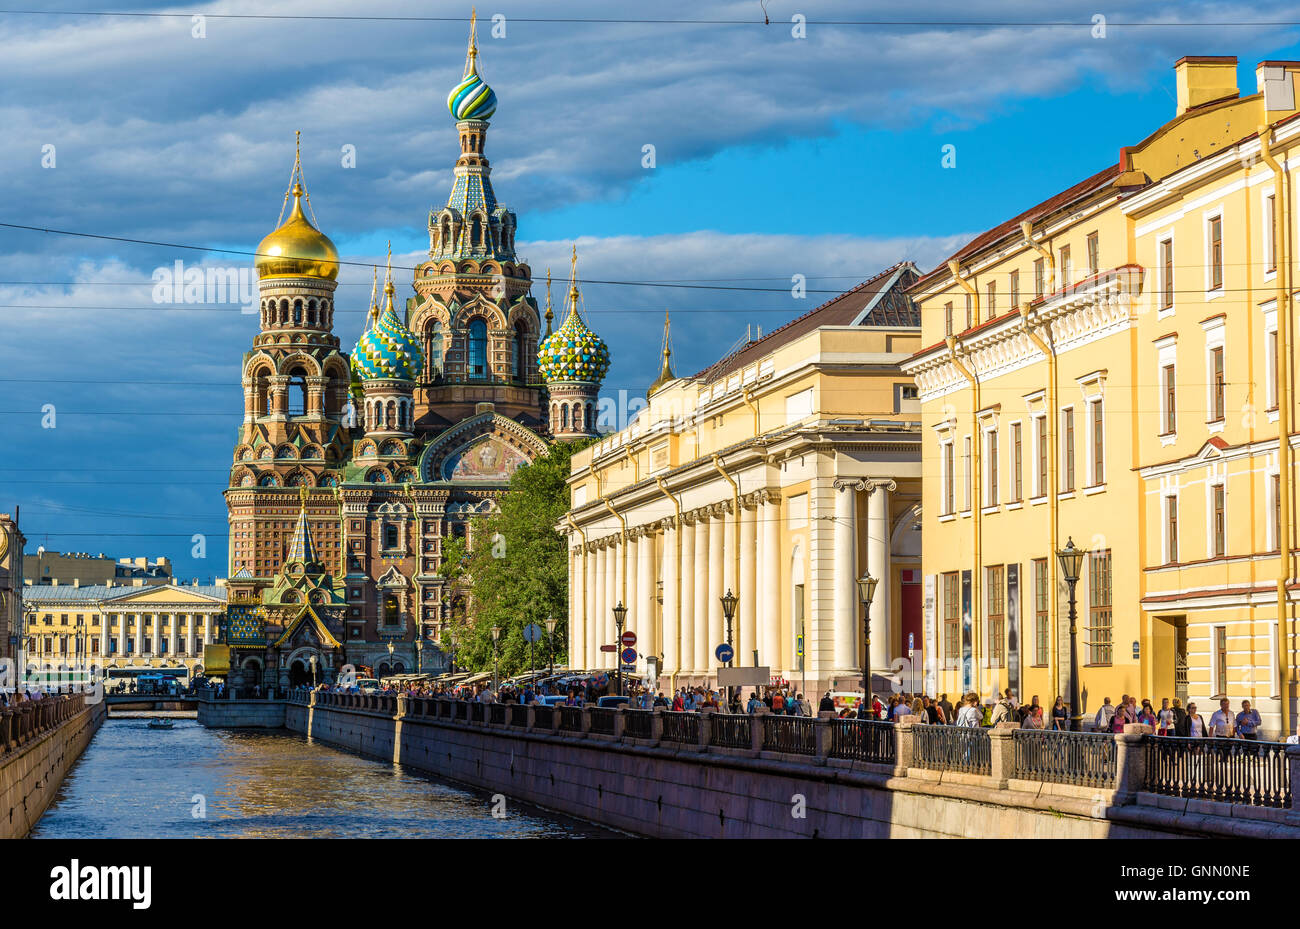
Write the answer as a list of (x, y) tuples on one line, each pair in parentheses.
[(1195, 725), (970, 715)]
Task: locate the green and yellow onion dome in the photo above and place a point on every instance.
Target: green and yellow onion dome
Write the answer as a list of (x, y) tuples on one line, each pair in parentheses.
[(297, 248), (388, 350), (472, 98), (573, 353)]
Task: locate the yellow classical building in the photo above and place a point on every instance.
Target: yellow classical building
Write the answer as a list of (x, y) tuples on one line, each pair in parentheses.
[(1104, 367), (782, 473)]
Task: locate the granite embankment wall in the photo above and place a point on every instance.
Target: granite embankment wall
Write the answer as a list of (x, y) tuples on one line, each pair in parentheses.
[(665, 788), (36, 755)]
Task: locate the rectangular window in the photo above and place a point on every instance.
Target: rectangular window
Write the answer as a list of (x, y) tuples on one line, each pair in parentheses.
[(951, 618), (1220, 661), (1099, 604), (1216, 384), (1039, 275), (1094, 254), (1271, 388), (1169, 387), (1098, 443), (1041, 425), (991, 456), (947, 318), (1171, 529), (968, 474), (949, 480), (1270, 234), (1015, 289), (992, 309), (1277, 511), (1067, 450), (1067, 267), (997, 613), (969, 320), (1016, 463), (1040, 612), (1167, 274), (1217, 496), (1216, 253)]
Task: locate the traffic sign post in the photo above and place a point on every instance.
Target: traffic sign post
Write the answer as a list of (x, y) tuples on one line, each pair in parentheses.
[(629, 656), (724, 653), (629, 638)]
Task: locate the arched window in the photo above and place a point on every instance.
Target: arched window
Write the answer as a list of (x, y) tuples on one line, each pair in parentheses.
[(297, 312), (478, 348), (564, 417), (520, 349), (476, 232), (297, 392), (577, 417), (433, 349)]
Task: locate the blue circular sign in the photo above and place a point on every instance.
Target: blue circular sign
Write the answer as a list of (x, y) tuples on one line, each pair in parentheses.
[(724, 652), (629, 656)]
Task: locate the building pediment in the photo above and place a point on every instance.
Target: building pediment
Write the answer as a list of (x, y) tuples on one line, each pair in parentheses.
[(169, 594)]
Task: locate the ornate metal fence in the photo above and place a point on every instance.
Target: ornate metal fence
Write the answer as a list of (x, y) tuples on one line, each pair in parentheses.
[(497, 713), (792, 734), (682, 727), (730, 730), (1229, 770), (518, 715), (543, 716), (863, 740), (952, 748), (570, 718), (602, 719), (638, 724), (1088, 759)]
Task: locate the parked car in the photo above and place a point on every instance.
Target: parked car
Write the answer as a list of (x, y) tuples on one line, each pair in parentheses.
[(612, 701), (367, 685)]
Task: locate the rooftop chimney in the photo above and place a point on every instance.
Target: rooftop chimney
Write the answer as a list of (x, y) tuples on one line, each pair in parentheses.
[(1204, 79)]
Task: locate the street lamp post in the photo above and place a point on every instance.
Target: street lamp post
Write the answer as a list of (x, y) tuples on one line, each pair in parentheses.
[(620, 617), (390, 657), (1071, 560), (312, 661), (419, 654), (550, 638), (866, 593), (496, 660), (728, 612)]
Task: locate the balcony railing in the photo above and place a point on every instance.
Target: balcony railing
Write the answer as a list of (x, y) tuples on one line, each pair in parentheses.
[(1227, 770)]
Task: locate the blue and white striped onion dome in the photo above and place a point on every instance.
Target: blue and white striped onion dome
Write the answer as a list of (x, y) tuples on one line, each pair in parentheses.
[(472, 98), (388, 351), (573, 353)]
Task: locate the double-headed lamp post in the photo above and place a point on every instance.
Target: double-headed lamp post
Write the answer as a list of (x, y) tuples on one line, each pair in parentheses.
[(866, 593), (620, 617), (729, 601), (496, 659), (1071, 560), (550, 638)]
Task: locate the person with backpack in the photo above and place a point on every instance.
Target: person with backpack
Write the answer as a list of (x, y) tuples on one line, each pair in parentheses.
[(1004, 711), (1104, 716)]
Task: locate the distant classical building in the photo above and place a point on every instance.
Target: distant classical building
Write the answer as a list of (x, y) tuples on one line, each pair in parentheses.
[(11, 572), (121, 627), (783, 473), (45, 567)]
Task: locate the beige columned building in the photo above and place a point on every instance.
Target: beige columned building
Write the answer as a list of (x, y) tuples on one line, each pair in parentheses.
[(782, 473)]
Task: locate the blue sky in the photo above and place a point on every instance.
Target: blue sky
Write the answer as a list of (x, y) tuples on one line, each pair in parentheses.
[(775, 156)]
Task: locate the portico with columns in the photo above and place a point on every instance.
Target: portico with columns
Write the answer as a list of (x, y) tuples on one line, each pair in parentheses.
[(782, 474)]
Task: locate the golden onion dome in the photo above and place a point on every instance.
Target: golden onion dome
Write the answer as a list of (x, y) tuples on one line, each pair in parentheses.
[(297, 248)]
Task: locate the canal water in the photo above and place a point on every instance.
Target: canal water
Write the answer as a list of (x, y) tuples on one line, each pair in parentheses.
[(192, 782)]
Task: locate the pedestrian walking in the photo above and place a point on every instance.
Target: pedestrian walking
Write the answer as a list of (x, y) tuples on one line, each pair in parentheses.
[(1222, 722), (1248, 722)]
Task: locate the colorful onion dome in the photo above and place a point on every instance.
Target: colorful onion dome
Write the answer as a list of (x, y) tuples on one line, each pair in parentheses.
[(573, 352), (472, 98), (387, 350), (297, 248)]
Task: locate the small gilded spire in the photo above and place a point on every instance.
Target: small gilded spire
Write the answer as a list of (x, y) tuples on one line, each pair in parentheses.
[(573, 283), (388, 278), (549, 315), (666, 372), (471, 56), (374, 297)]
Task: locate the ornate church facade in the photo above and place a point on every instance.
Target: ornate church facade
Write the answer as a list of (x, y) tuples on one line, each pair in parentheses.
[(352, 469)]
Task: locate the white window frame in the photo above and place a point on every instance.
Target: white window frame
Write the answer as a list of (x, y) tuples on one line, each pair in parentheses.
[(1040, 430), (1270, 362), (991, 497), (1166, 355), (1215, 479), (968, 476), (1013, 427), (1062, 490), (1165, 498), (947, 477), (1161, 311), (1206, 217), (1215, 337), (1266, 246), (1217, 687), (1272, 490)]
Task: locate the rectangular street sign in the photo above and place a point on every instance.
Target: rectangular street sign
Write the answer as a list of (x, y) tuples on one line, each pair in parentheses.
[(609, 648), (741, 677)]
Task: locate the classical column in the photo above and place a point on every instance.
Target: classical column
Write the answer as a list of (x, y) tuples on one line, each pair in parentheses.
[(775, 647), (139, 634), (672, 629), (172, 632), (748, 592), (645, 590), (845, 603), (155, 634), (121, 635), (686, 617), (717, 581), (577, 600), (631, 552), (882, 616), (103, 636), (611, 598), (702, 606), (189, 635), (591, 577), (594, 638)]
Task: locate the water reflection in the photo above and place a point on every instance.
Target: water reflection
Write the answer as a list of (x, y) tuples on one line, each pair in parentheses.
[(142, 783)]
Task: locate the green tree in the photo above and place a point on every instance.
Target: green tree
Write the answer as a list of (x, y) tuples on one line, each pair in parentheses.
[(518, 570)]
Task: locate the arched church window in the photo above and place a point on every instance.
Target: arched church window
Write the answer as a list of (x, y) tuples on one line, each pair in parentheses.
[(297, 312), (577, 417), (564, 417), (476, 232), (392, 610), (297, 391), (520, 349), (478, 348), (433, 349)]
